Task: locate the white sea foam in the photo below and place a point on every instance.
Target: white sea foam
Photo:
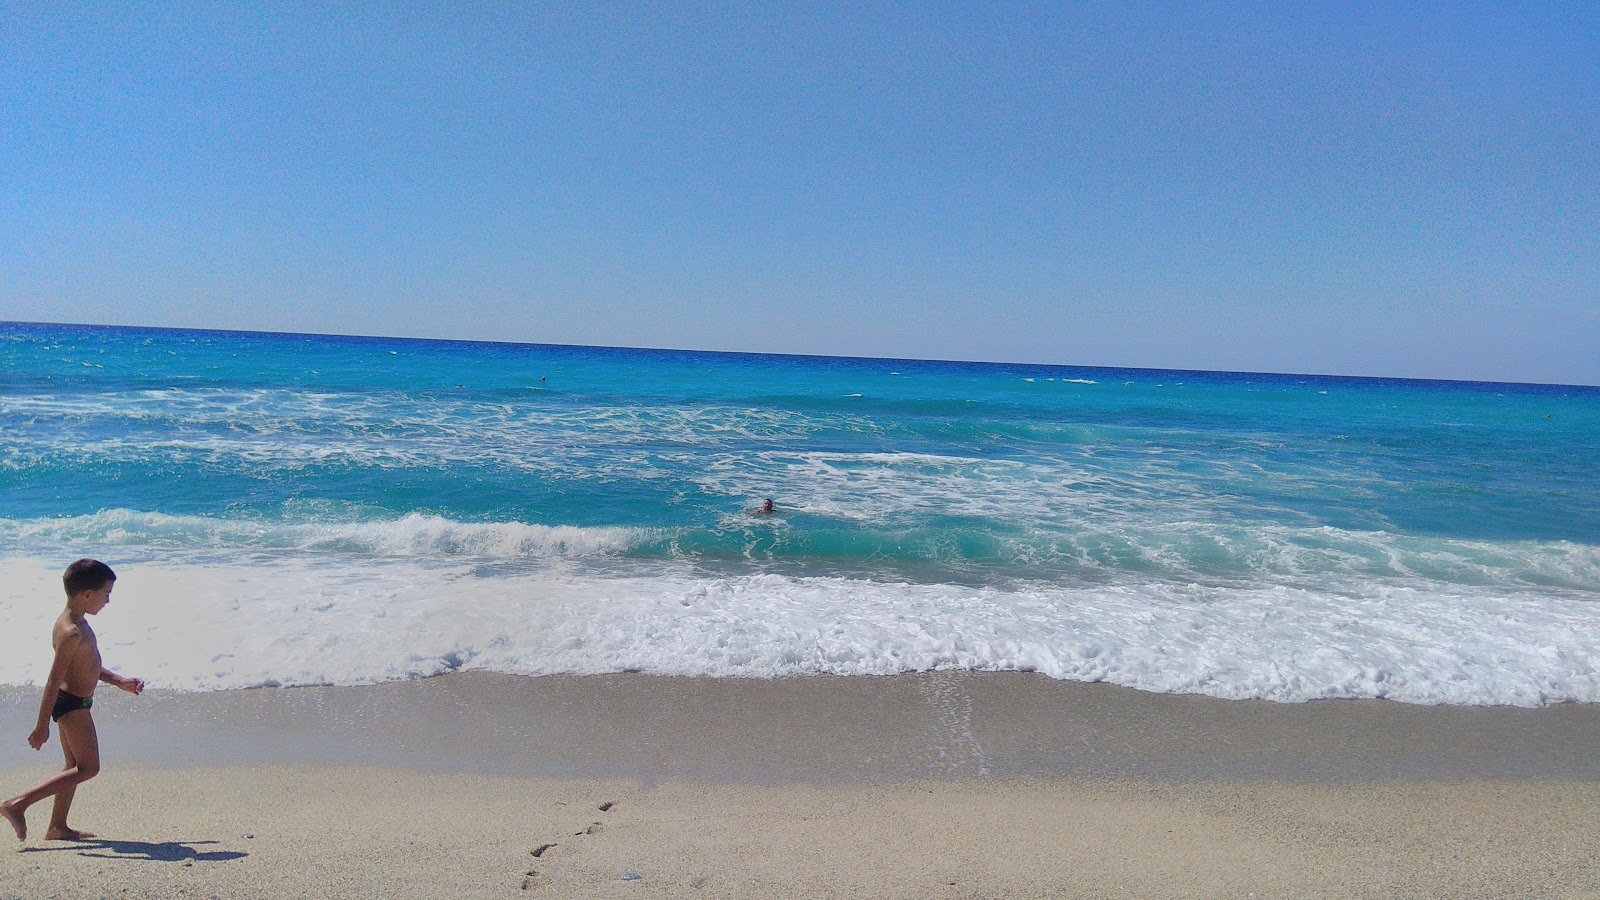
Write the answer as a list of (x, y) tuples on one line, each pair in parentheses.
[(1066, 491), (1097, 549), (875, 486), (411, 535), (302, 620), (268, 412), (293, 430)]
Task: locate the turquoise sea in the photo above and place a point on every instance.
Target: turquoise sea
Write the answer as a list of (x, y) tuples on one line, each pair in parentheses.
[(293, 509)]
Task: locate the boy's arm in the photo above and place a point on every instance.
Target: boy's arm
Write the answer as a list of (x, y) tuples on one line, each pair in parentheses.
[(71, 640), (131, 685)]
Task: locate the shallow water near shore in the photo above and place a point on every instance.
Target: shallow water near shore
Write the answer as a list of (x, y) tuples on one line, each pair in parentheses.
[(310, 510)]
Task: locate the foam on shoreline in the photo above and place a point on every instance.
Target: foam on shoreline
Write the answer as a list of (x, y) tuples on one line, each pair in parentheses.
[(301, 620)]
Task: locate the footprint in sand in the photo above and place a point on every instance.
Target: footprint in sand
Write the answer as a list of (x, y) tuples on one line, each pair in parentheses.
[(540, 852)]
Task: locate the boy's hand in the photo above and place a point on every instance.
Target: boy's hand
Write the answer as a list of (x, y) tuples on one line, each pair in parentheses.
[(131, 685), (39, 736)]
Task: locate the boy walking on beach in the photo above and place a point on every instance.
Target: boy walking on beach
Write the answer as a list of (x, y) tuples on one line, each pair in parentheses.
[(68, 694)]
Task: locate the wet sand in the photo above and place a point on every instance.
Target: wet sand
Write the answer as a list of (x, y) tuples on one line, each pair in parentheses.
[(828, 729), (970, 785)]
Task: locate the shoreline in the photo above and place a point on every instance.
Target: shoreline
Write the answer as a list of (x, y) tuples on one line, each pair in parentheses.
[(934, 785), (828, 729)]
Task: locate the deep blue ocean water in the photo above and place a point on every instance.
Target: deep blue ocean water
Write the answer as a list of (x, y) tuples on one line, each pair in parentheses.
[(1249, 535)]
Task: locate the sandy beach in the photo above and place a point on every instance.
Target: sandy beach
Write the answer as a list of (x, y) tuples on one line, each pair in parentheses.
[(967, 785)]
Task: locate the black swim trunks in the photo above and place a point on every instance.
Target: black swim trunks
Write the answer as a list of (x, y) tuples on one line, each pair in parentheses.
[(66, 703)]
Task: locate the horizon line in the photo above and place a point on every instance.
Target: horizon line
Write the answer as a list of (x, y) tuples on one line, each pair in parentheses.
[(990, 362)]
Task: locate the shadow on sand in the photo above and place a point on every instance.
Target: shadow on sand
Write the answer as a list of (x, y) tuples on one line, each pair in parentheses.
[(170, 851)]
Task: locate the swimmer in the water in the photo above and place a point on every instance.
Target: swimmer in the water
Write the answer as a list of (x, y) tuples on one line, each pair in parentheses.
[(766, 508)]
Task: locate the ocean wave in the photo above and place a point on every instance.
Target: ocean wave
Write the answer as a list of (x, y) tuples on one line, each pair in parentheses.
[(296, 622), (809, 539), (293, 415), (407, 536)]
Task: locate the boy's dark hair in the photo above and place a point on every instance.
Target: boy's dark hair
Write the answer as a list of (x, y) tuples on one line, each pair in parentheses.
[(87, 575)]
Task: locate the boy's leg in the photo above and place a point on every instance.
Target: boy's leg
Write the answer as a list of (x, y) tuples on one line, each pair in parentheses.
[(80, 744)]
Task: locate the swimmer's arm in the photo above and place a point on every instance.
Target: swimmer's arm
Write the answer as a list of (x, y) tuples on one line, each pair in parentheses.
[(131, 685), (71, 641)]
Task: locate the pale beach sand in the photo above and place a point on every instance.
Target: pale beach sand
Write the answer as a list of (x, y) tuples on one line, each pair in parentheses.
[(322, 831), (916, 786)]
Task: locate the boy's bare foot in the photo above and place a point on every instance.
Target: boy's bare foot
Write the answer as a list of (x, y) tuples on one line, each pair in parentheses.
[(67, 834), (18, 824)]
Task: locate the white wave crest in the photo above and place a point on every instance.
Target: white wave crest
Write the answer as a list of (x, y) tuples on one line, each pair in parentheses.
[(304, 621), (414, 534)]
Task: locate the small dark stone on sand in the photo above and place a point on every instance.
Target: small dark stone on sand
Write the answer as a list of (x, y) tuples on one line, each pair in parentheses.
[(542, 849), (606, 806)]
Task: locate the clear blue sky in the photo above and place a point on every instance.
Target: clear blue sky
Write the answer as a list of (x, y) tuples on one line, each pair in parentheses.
[(1333, 187)]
